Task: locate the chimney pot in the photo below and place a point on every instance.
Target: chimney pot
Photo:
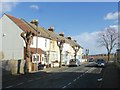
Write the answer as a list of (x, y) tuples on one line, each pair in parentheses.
[(61, 34), (69, 38), (51, 29)]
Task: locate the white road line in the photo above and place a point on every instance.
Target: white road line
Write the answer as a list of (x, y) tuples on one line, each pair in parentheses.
[(64, 87), (69, 83), (78, 77), (8, 86), (86, 71), (20, 84), (30, 80), (81, 75), (74, 80)]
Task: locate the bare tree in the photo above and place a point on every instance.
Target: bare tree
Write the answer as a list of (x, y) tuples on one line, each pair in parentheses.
[(28, 37), (108, 38)]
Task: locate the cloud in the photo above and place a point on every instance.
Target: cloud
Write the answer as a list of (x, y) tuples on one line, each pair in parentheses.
[(7, 6), (34, 7), (89, 41), (112, 16)]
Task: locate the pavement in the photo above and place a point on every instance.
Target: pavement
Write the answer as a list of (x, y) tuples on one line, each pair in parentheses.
[(45, 70), (111, 76)]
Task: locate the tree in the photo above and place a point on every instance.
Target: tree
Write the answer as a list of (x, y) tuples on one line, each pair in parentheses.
[(60, 45), (108, 38), (28, 37)]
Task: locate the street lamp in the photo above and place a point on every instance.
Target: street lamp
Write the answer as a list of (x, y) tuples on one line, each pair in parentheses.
[(76, 49), (60, 45), (35, 22), (87, 52)]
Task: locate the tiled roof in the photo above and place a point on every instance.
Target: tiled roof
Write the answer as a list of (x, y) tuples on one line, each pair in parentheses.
[(40, 51), (33, 51), (21, 24), (42, 31), (25, 26)]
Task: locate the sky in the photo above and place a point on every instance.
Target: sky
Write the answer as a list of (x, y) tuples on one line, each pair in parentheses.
[(80, 20)]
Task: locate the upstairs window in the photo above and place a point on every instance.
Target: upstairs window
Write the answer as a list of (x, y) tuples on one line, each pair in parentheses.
[(45, 42)]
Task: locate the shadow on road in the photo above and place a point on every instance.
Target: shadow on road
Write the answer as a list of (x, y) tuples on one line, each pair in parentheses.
[(76, 79)]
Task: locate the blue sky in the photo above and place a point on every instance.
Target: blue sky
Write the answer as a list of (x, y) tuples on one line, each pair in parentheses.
[(70, 18), (73, 18)]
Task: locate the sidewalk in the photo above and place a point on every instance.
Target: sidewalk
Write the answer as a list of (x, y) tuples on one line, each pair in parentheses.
[(56, 69), (40, 72), (111, 76)]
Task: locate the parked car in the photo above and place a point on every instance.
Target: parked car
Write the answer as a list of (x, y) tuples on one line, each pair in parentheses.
[(74, 62), (91, 60), (101, 63)]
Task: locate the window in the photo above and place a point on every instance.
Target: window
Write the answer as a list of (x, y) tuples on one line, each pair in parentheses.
[(45, 42), (53, 45), (32, 42)]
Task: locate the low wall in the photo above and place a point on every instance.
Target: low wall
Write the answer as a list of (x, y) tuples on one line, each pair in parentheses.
[(13, 67)]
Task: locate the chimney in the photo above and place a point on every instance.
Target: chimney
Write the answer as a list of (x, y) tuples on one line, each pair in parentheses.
[(35, 22), (75, 40), (61, 34), (69, 38), (51, 29)]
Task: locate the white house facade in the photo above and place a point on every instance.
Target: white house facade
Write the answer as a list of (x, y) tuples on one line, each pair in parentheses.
[(12, 43)]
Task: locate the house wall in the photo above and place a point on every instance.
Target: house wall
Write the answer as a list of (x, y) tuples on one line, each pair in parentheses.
[(41, 43), (80, 53), (44, 44), (12, 42), (0, 38), (54, 53)]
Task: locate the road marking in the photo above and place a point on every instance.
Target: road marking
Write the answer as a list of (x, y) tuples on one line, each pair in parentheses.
[(78, 77), (81, 75), (69, 83), (9, 87), (64, 87), (74, 80), (30, 80), (20, 84), (86, 71)]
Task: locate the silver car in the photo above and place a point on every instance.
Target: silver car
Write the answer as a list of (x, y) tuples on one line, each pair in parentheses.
[(101, 63), (74, 62)]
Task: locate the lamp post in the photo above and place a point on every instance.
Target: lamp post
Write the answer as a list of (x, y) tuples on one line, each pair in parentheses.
[(76, 49), (35, 22), (87, 52), (60, 45)]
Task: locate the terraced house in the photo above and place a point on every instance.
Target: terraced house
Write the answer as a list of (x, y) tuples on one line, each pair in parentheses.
[(13, 46)]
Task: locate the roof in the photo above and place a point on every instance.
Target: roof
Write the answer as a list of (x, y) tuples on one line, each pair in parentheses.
[(26, 26), (42, 31), (40, 51), (33, 51), (21, 24)]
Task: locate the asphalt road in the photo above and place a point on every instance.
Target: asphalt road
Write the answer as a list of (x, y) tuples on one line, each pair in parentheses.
[(84, 76)]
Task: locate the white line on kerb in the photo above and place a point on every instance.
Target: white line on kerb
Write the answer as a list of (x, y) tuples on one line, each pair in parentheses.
[(78, 77), (30, 80), (19, 83), (74, 80), (69, 83), (64, 87), (9, 87)]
